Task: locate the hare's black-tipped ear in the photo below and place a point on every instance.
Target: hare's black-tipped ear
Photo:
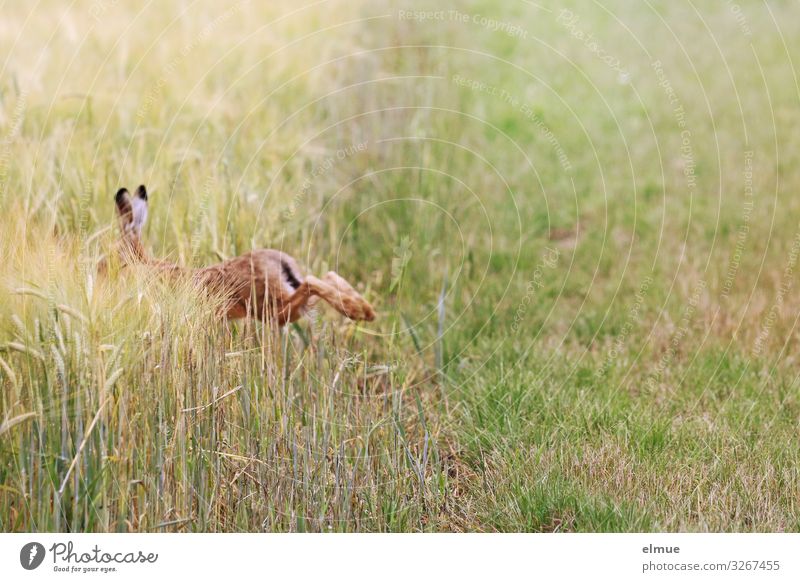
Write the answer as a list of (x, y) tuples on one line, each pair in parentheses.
[(123, 201), (139, 208), (132, 211)]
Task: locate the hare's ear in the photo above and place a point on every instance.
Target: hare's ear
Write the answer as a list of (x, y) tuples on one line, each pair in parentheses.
[(139, 205), (124, 209), (132, 210)]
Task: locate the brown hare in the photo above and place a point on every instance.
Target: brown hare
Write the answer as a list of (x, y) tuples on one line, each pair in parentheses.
[(264, 283)]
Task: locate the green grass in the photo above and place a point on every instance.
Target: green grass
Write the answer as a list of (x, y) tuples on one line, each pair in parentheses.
[(587, 320)]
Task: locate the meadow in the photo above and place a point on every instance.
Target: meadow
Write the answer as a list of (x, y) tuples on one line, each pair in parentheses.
[(578, 223)]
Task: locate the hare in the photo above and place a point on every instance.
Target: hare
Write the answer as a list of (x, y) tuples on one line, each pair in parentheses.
[(264, 283)]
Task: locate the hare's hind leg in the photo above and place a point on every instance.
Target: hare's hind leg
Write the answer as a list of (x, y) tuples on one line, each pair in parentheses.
[(297, 304), (334, 290), (303, 299), (347, 300)]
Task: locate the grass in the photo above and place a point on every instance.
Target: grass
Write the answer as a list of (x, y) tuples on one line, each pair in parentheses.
[(583, 252)]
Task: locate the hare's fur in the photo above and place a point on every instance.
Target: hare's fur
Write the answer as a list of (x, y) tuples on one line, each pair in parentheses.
[(264, 283)]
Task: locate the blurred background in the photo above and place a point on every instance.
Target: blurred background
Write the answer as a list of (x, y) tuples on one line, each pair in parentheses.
[(577, 221)]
